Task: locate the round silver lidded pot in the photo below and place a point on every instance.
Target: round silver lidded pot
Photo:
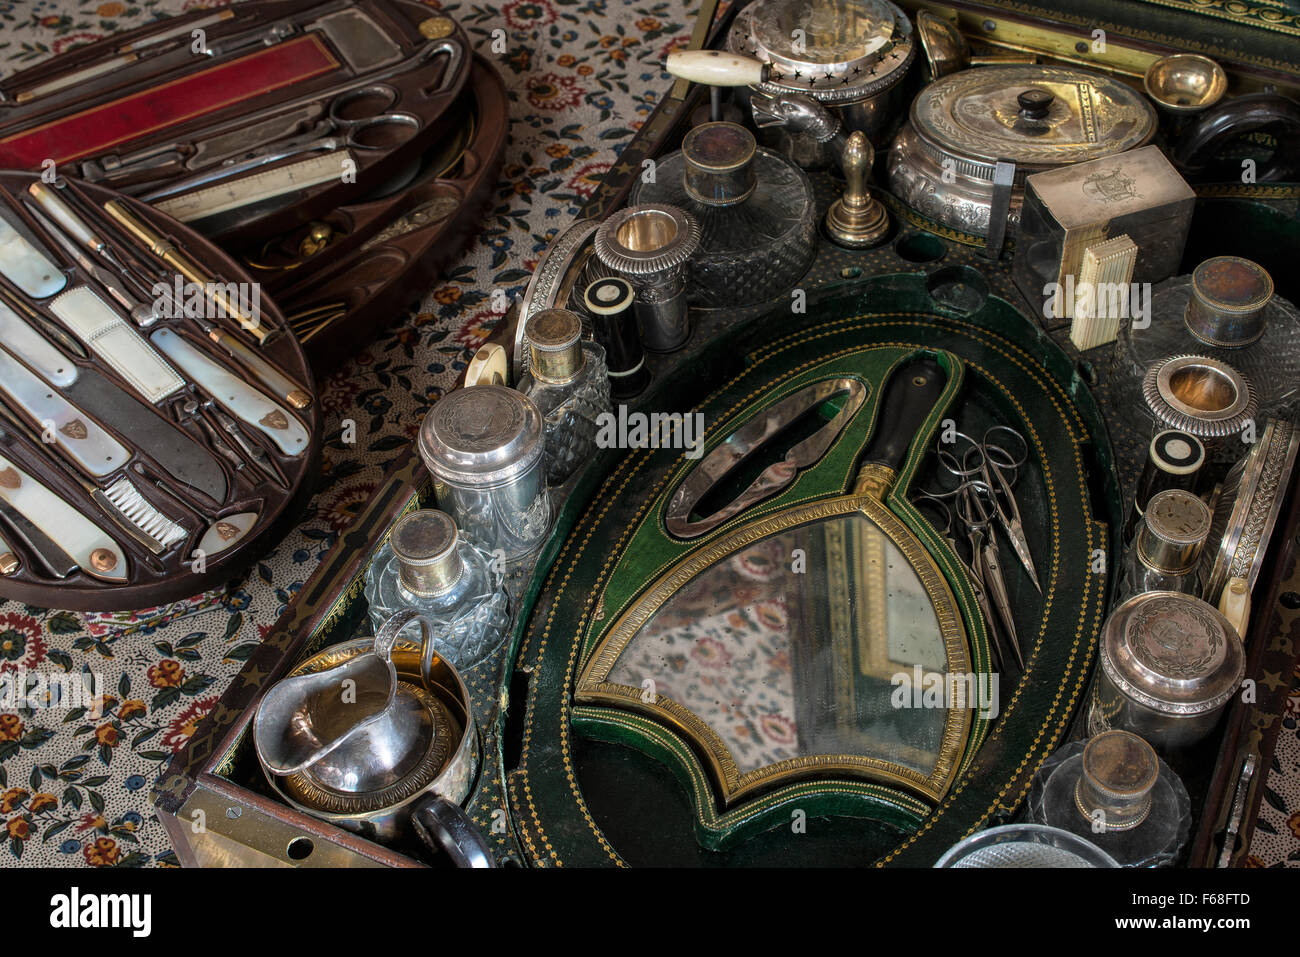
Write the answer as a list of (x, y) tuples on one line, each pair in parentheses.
[(483, 445), (1170, 664), (849, 55), (961, 126)]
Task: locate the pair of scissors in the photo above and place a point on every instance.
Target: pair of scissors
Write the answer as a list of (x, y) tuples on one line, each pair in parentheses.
[(359, 119), (996, 461), (974, 573)]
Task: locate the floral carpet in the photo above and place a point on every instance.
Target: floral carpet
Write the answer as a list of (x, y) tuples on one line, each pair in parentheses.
[(582, 75)]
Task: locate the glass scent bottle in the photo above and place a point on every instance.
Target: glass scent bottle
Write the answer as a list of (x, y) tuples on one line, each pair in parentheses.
[(427, 567), (1225, 310), (568, 381), (1167, 547), (1115, 791), (755, 210)]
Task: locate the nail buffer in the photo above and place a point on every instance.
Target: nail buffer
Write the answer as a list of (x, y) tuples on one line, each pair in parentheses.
[(233, 394), (173, 449), (86, 543), (109, 336)]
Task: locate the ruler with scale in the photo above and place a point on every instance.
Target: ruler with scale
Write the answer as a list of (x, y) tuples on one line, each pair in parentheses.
[(257, 187)]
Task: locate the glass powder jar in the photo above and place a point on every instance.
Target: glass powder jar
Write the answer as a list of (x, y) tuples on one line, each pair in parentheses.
[(1114, 791), (755, 210), (483, 445), (426, 567)]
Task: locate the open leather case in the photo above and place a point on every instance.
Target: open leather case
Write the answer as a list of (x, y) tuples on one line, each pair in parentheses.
[(354, 144), (699, 654)]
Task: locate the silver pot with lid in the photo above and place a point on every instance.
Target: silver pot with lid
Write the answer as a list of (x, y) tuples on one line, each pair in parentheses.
[(483, 446), (1170, 664), (962, 126), (849, 55)]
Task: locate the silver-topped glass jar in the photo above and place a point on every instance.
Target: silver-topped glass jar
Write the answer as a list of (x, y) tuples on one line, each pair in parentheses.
[(755, 209), (1115, 791), (961, 126), (568, 381), (849, 55), (426, 567), (1170, 663), (483, 445), (1165, 553)]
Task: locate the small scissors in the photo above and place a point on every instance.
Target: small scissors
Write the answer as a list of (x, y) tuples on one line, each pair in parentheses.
[(976, 578), (991, 471)]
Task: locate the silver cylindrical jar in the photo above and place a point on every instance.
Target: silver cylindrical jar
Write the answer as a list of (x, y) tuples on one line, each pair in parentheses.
[(1170, 664), (483, 445)]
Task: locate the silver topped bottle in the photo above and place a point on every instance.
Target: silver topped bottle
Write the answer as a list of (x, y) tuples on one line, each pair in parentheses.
[(1115, 791), (1167, 548), (426, 567), (755, 210), (568, 380)]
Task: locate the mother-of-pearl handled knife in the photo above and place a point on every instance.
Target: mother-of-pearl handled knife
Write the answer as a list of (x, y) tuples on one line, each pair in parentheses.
[(233, 394), (59, 421), (33, 348), (85, 543), (24, 265)]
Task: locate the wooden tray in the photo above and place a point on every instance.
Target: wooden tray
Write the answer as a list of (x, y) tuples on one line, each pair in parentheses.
[(173, 575)]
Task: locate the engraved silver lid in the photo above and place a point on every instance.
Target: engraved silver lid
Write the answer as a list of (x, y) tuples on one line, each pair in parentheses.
[(482, 436), (1039, 117), (1172, 653), (838, 51), (424, 542), (1175, 525), (555, 340)]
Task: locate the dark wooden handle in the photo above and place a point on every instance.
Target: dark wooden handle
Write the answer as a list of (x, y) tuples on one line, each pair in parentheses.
[(910, 395)]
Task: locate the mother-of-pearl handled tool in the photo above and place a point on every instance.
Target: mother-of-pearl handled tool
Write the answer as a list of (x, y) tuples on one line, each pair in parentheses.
[(33, 348), (25, 265), (226, 532), (233, 394), (59, 421), (100, 327), (82, 540)]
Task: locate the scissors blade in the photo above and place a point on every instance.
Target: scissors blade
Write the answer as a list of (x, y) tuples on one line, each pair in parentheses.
[(1020, 545), (997, 586)]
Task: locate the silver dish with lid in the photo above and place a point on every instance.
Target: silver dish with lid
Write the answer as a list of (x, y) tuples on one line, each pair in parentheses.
[(943, 160), (1170, 663), (850, 55), (483, 445)]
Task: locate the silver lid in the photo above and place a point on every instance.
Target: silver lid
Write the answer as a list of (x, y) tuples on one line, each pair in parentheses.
[(555, 339), (1038, 117), (838, 51), (424, 542), (1118, 770), (1229, 296), (485, 435), (1172, 653), (1175, 524)]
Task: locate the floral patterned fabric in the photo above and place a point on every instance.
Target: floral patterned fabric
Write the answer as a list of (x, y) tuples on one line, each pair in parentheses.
[(583, 75)]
